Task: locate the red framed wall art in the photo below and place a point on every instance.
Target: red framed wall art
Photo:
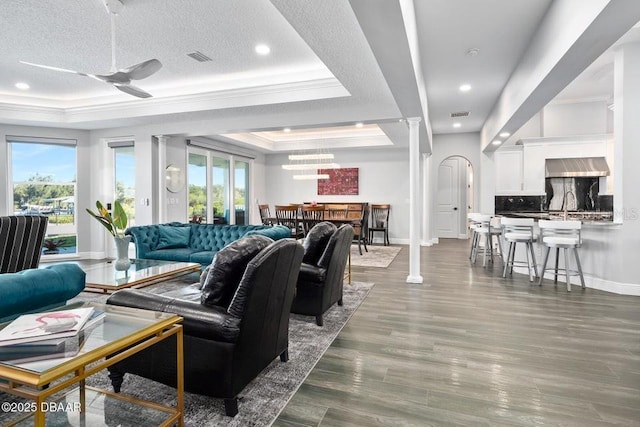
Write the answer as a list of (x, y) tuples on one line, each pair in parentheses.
[(343, 182)]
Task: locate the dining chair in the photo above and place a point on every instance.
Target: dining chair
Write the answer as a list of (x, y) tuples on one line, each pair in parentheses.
[(361, 228), (380, 222), (287, 215), (311, 215), (337, 211), (265, 214)]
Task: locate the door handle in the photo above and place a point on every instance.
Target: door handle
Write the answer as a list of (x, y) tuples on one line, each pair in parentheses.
[(455, 209)]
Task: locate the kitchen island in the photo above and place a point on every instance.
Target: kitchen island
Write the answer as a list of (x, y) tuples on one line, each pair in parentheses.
[(599, 235)]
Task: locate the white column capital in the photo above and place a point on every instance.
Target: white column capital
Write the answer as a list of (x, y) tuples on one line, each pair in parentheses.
[(162, 138), (412, 120)]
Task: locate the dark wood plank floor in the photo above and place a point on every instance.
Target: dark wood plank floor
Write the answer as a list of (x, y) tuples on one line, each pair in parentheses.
[(470, 348)]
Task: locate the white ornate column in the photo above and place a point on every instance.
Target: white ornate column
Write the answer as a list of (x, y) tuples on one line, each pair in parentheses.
[(414, 201), (162, 177)]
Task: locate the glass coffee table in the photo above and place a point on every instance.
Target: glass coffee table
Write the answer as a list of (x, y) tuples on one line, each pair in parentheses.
[(123, 331), (104, 278)]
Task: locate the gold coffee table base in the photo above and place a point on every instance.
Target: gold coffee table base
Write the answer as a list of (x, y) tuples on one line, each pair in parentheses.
[(30, 384)]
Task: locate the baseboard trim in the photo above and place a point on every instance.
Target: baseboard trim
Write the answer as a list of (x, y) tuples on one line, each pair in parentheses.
[(414, 279), (590, 282)]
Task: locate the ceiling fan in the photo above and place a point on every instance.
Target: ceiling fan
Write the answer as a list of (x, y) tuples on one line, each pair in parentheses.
[(120, 79)]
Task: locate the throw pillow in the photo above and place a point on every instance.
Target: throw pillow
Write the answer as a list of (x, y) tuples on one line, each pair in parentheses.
[(173, 237), (316, 241), (227, 269)]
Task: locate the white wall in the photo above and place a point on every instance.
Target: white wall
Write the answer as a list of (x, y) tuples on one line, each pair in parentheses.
[(465, 145), (383, 178), (583, 118), (176, 203)]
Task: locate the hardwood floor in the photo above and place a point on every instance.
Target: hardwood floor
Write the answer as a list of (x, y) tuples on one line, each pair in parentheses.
[(468, 347)]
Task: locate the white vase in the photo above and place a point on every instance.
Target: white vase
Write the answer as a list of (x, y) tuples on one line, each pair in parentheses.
[(122, 248)]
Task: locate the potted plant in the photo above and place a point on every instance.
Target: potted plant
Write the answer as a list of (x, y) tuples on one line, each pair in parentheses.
[(115, 224), (51, 245)]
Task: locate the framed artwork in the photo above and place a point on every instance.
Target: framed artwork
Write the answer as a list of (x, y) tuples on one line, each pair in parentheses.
[(342, 182)]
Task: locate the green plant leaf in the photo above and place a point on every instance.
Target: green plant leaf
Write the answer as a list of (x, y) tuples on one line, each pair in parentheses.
[(104, 221), (112, 223), (119, 216)]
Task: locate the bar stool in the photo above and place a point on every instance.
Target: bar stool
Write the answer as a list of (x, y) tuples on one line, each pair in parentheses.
[(486, 229), (519, 230), (472, 224), (561, 235)]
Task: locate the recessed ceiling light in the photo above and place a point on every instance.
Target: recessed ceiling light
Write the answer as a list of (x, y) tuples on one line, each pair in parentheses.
[(22, 85), (263, 49), (473, 51), (287, 129), (465, 88), (497, 142), (505, 134), (359, 124), (457, 125)]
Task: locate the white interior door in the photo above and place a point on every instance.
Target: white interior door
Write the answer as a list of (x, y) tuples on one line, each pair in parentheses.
[(447, 200)]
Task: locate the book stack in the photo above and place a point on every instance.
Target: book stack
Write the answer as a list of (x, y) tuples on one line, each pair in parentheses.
[(45, 335)]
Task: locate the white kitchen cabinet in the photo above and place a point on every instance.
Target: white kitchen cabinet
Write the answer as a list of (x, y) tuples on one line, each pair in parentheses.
[(509, 172)]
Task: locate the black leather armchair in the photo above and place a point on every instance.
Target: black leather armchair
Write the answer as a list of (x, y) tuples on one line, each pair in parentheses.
[(322, 272), (225, 347)]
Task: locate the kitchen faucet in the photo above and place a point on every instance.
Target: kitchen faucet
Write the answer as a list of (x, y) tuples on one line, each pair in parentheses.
[(566, 202)]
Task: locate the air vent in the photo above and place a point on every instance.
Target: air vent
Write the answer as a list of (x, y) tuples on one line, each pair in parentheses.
[(199, 56), (459, 114)]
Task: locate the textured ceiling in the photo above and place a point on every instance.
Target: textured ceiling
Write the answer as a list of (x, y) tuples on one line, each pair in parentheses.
[(75, 34), (501, 30)]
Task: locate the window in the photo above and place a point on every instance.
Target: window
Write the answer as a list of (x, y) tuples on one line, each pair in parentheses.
[(218, 187), (241, 198), (44, 183), (125, 180), (197, 177), (220, 190)]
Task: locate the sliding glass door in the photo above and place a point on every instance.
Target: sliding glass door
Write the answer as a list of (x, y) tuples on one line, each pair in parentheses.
[(218, 187), (241, 199), (220, 194), (197, 177)]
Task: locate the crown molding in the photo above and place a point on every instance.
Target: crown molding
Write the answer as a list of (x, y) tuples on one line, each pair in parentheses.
[(232, 98)]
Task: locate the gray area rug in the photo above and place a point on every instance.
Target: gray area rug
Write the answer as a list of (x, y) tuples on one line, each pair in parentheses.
[(263, 399), (378, 256)]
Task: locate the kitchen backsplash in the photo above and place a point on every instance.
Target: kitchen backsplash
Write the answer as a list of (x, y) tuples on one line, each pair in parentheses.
[(505, 204), (604, 203), (585, 200), (574, 194)]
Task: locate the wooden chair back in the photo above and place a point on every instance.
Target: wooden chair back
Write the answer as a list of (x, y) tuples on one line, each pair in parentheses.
[(311, 215), (287, 215), (265, 214)]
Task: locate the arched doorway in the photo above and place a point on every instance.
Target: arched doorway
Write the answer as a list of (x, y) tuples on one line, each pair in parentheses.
[(454, 197)]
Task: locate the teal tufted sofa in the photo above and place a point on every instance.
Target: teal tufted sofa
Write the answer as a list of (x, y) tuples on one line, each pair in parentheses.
[(199, 243), (35, 290)]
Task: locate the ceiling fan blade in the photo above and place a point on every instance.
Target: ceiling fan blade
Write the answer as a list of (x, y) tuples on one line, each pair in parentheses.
[(48, 67), (132, 90), (143, 69)]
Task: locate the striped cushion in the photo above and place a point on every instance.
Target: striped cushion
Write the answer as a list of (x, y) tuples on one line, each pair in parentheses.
[(21, 239)]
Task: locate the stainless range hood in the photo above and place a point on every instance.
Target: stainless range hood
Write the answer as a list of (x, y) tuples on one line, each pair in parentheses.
[(576, 167)]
